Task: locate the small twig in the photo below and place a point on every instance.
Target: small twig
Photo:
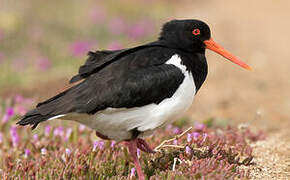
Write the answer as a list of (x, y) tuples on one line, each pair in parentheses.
[(174, 163), (173, 146), (170, 140)]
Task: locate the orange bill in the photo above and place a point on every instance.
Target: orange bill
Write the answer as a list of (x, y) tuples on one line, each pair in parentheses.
[(210, 44)]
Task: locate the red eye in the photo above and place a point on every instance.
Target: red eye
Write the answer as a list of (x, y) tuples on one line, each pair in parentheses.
[(196, 32)]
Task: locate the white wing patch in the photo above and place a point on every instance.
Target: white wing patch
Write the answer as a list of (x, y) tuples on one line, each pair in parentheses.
[(116, 123)]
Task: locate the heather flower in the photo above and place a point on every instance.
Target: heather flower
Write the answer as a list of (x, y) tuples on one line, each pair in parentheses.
[(80, 48), (82, 127), (113, 143), (8, 114), (19, 109), (175, 142), (169, 126), (43, 64), (95, 145), (176, 130), (58, 131), (35, 137), (1, 138), (43, 151), (14, 136), (199, 126), (195, 135), (132, 172), (114, 46), (26, 153), (68, 134), (98, 144), (187, 150), (101, 144), (117, 26), (47, 130), (189, 137), (67, 151)]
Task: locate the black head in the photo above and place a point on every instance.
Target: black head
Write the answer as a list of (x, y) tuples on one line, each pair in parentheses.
[(187, 35), (193, 36)]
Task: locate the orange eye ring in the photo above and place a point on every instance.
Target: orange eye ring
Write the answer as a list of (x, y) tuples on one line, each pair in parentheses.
[(196, 32)]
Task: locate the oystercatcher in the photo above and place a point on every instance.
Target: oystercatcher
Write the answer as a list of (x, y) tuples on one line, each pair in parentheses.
[(126, 94)]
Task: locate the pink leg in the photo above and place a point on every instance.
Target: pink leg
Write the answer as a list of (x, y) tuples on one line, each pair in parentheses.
[(132, 146), (143, 146)]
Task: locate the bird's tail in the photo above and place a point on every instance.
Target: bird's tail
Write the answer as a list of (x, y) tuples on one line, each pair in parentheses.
[(33, 118)]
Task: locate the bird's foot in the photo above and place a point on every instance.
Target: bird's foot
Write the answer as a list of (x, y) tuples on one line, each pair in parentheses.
[(132, 147), (143, 146)]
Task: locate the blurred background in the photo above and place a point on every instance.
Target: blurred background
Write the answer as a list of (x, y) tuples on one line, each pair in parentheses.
[(42, 44)]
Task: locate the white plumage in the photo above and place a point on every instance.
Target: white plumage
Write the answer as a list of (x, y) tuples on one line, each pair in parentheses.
[(116, 123)]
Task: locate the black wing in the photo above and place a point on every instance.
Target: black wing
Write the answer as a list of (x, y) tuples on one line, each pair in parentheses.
[(134, 80)]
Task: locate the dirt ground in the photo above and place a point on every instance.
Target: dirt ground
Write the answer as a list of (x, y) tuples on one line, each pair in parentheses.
[(258, 33)]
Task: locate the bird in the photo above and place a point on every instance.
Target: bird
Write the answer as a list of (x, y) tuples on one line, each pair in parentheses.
[(126, 94)]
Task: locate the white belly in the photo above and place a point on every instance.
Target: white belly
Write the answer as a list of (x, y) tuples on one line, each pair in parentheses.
[(116, 123)]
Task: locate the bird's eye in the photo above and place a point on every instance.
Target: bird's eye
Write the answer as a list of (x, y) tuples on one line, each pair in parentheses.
[(196, 32)]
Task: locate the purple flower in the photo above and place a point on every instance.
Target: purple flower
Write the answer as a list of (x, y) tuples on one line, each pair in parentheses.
[(35, 137), (189, 137), (26, 153), (113, 144), (175, 142), (58, 131), (195, 135), (114, 46), (8, 114), (98, 144), (67, 151), (169, 126), (187, 150), (20, 110), (1, 138), (82, 127), (101, 144), (68, 134), (43, 151), (47, 130), (95, 145), (14, 136), (199, 126), (43, 64), (117, 26), (132, 172), (176, 130), (80, 48)]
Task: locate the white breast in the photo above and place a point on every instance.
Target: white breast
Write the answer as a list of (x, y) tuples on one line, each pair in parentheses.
[(116, 123)]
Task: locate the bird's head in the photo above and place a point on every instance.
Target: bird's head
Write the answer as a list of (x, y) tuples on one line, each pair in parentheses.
[(194, 36)]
